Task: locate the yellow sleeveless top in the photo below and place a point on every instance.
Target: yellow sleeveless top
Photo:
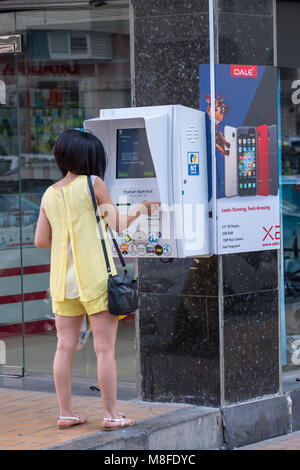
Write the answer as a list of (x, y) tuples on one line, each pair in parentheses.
[(71, 214)]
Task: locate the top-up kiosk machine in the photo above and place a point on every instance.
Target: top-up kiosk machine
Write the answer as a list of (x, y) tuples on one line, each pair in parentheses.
[(158, 153)]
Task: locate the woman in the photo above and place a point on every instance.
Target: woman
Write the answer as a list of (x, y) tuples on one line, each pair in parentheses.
[(78, 276)]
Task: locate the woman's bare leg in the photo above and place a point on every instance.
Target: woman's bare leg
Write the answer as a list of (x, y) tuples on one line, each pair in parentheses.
[(104, 327), (67, 332)]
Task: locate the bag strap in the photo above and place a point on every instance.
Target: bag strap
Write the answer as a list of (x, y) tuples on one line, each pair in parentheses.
[(99, 225), (101, 232), (117, 247)]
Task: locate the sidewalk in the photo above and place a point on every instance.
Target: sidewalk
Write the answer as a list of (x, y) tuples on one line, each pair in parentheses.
[(28, 422), (287, 442), (28, 419)]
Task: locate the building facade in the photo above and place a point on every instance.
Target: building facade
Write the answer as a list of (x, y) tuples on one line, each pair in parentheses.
[(228, 333)]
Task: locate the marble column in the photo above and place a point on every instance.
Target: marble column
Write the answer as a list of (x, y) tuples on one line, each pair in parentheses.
[(207, 330)]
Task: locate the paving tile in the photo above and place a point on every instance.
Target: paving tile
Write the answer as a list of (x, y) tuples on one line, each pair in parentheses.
[(28, 419), (288, 442)]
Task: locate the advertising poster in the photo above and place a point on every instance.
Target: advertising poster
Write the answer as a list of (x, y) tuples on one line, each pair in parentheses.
[(246, 165)]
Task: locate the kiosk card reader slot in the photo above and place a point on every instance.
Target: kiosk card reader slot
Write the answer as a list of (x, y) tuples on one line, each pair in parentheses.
[(158, 154)]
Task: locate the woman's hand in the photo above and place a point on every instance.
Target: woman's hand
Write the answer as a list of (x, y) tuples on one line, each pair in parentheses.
[(111, 214), (148, 207)]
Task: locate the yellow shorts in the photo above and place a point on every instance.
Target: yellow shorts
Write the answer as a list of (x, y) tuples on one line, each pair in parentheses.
[(76, 307)]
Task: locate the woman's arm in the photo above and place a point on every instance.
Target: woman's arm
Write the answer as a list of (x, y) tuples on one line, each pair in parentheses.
[(111, 214), (43, 231)]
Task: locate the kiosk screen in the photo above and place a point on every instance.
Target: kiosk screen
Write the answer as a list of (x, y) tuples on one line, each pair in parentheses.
[(133, 154)]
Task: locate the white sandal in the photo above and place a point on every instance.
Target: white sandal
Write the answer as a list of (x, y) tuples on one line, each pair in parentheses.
[(75, 418), (121, 420)]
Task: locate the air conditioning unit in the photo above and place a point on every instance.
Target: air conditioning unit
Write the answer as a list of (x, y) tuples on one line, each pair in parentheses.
[(80, 45)]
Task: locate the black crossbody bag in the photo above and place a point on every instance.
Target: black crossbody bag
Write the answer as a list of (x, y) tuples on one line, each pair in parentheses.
[(123, 295)]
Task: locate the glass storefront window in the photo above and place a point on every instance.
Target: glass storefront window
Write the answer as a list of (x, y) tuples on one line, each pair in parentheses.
[(72, 64), (290, 190)]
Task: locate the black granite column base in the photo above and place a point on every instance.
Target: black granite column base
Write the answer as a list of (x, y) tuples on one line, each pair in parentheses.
[(251, 347), (179, 349), (182, 319)]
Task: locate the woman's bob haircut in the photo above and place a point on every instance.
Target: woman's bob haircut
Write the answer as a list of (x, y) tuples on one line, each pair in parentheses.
[(81, 153)]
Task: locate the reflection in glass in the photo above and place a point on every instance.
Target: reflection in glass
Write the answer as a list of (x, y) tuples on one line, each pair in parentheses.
[(73, 63), (10, 256), (290, 189)]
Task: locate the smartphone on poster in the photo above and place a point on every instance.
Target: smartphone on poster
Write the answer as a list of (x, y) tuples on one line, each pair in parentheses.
[(246, 161), (262, 160), (273, 160), (231, 183)]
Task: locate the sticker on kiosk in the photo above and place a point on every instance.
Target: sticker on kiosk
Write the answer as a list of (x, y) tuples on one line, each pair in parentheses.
[(193, 163)]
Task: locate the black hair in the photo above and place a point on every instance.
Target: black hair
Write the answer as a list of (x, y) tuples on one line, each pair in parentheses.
[(81, 153)]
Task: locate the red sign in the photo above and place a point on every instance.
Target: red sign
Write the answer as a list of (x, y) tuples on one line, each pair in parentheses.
[(40, 68), (246, 71), (269, 233)]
